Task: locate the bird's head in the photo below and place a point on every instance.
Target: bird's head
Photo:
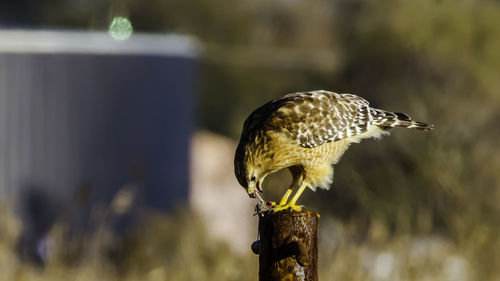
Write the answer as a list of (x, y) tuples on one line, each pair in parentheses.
[(249, 173), (254, 180)]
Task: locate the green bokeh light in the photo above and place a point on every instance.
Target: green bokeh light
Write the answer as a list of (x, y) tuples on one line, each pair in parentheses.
[(120, 28)]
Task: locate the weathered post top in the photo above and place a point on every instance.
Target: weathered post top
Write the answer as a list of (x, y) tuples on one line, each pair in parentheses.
[(288, 246)]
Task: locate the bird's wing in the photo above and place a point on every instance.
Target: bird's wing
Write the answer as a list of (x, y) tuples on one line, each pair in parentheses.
[(313, 118)]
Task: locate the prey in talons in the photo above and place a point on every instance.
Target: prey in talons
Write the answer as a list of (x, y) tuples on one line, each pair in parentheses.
[(267, 206)]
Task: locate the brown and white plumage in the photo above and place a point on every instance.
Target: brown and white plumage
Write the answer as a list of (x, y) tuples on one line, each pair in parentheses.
[(308, 132)]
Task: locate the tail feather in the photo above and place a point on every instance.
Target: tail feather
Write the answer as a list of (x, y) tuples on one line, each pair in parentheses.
[(387, 119)]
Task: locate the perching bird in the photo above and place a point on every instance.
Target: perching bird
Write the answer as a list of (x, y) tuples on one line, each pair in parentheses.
[(307, 133)]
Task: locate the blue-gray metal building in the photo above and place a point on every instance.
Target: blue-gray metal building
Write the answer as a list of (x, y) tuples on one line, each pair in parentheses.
[(82, 109)]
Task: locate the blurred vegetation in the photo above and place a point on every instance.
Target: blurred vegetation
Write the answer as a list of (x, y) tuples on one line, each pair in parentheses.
[(176, 247), (438, 61), (160, 247)]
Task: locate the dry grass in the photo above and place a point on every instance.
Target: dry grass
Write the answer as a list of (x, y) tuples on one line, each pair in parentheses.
[(177, 248)]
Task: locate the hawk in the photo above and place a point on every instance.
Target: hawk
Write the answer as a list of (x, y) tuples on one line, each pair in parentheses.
[(307, 132)]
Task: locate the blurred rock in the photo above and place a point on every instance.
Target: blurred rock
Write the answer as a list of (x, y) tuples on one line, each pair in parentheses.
[(215, 193)]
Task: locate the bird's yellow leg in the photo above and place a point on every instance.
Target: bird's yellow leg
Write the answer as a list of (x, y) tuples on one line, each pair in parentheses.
[(291, 204), (284, 199), (297, 194)]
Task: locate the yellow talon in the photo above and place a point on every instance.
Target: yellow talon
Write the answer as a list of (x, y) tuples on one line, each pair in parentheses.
[(288, 206)]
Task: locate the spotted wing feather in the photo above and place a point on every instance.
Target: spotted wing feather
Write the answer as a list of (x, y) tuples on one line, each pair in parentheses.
[(313, 118)]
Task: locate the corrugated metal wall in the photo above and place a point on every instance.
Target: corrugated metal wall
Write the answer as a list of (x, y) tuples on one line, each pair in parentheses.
[(100, 120)]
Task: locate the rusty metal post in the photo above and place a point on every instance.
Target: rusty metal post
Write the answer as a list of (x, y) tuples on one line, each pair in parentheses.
[(288, 248)]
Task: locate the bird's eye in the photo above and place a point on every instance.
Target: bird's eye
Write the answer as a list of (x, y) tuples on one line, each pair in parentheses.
[(252, 178)]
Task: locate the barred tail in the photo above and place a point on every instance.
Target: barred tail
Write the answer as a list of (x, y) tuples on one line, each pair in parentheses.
[(387, 119)]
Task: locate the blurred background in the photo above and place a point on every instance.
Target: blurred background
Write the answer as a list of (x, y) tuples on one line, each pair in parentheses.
[(119, 120)]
